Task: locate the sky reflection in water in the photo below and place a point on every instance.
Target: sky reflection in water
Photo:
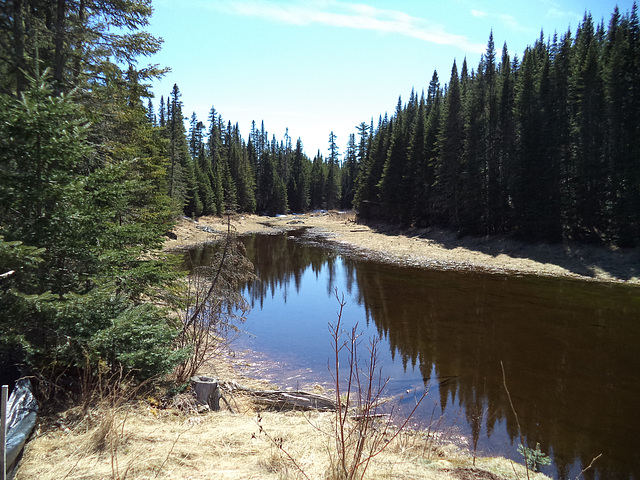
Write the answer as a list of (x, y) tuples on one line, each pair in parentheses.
[(569, 348)]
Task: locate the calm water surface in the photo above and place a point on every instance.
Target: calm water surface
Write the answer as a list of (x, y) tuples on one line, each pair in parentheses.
[(569, 348)]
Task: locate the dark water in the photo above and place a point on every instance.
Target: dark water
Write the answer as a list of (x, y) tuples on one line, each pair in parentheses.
[(569, 348)]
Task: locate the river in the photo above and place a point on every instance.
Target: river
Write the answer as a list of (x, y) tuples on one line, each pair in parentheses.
[(568, 348)]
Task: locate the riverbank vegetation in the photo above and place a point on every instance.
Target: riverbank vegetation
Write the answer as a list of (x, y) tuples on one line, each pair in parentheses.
[(146, 440), (84, 201)]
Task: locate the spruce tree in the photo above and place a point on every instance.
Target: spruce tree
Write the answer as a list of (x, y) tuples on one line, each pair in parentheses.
[(448, 167), (620, 71), (317, 183), (394, 183), (506, 137), (332, 185), (298, 186), (473, 164), (590, 172), (491, 140), (419, 187), (85, 219), (365, 132), (426, 174), (183, 187), (368, 193)]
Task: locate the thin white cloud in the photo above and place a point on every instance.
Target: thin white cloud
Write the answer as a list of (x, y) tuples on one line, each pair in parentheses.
[(350, 15), (511, 22), (556, 13)]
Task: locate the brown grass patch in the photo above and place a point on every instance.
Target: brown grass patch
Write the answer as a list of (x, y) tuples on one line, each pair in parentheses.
[(139, 441)]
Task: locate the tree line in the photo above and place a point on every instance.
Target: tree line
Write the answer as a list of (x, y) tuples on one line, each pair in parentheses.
[(543, 148), (546, 148), (213, 170)]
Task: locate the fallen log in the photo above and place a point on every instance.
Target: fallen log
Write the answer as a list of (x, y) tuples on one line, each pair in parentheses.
[(282, 399)]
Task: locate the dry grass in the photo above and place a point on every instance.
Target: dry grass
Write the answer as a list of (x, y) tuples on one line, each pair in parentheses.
[(140, 441)]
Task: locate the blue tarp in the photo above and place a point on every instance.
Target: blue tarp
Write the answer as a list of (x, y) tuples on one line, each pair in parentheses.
[(21, 418)]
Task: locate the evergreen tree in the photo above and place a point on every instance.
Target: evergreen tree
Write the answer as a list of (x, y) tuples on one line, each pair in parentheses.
[(77, 41), (298, 186), (332, 185), (589, 167), (491, 141), (418, 185), (162, 119), (367, 197), (151, 114), (364, 168), (526, 196), (426, 174), (349, 173), (214, 150), (317, 183), (183, 186), (506, 137), (448, 167), (621, 74), (85, 230), (394, 191), (272, 194), (473, 164), (245, 182)]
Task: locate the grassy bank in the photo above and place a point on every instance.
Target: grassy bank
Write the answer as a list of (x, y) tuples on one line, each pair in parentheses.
[(152, 436)]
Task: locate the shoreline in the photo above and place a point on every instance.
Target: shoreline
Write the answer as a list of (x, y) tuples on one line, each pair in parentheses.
[(147, 440), (429, 248), (153, 442)]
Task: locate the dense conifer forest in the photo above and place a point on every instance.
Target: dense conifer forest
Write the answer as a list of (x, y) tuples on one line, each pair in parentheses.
[(543, 148), (92, 173)]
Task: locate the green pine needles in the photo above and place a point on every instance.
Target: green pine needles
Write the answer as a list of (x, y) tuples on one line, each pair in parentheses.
[(534, 458)]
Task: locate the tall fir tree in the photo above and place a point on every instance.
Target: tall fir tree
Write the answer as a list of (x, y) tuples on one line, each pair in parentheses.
[(332, 185), (448, 184), (183, 187), (589, 168), (298, 185), (349, 173), (317, 183)]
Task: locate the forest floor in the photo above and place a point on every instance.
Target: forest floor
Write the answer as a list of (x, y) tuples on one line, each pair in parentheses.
[(431, 248)]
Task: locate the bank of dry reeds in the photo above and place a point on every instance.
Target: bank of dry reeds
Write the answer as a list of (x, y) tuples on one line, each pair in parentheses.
[(141, 441)]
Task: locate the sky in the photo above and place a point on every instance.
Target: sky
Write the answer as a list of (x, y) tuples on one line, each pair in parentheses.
[(321, 66)]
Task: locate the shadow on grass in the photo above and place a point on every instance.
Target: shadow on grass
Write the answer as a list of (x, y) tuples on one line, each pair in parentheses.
[(584, 260)]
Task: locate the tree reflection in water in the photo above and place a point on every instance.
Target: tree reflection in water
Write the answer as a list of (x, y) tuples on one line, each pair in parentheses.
[(569, 348)]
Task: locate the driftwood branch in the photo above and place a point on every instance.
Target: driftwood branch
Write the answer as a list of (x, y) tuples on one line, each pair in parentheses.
[(281, 399)]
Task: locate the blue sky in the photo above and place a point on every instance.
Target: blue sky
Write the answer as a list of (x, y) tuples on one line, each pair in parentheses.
[(316, 66)]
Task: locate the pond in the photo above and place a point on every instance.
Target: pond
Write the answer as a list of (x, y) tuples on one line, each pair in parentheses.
[(569, 348)]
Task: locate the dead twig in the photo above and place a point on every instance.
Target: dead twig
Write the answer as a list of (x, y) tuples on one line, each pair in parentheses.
[(588, 467), (524, 450)]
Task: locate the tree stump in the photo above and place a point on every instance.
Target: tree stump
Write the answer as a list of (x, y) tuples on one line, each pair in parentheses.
[(207, 391)]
